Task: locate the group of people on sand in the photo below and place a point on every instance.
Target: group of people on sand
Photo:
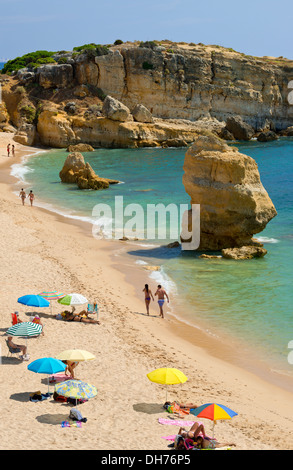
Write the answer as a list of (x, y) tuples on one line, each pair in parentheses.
[(12, 150), (23, 196), (196, 437), (160, 293)]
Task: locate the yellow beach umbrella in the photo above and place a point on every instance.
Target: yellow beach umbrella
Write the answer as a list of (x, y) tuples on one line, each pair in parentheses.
[(167, 376), (75, 355)]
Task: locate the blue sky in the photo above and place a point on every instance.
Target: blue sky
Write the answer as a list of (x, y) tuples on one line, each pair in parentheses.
[(255, 27)]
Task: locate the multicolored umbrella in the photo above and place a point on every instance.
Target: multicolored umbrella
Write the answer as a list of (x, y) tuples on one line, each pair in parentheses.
[(73, 300), (33, 301), (52, 295), (25, 330), (76, 389), (75, 355), (214, 412), (167, 376), (47, 365)]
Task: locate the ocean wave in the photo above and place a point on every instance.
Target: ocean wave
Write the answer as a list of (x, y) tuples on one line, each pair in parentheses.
[(19, 170), (267, 240), (140, 261)]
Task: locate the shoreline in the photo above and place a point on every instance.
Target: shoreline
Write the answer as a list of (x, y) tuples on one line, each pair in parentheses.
[(155, 342), (220, 345)]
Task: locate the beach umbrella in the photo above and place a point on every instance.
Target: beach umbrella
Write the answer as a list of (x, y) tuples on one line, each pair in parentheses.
[(51, 295), (73, 300), (47, 365), (25, 330), (167, 376), (75, 355), (76, 389), (33, 301), (214, 412)]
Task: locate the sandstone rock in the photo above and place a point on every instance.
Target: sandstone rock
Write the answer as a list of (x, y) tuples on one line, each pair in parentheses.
[(4, 117), (55, 76), (141, 114), (225, 134), (287, 132), (75, 170), (267, 136), (81, 91), (54, 128), (25, 134), (25, 76), (80, 148), (115, 110), (234, 205), (239, 129), (244, 252)]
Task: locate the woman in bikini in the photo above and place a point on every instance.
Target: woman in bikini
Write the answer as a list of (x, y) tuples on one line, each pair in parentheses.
[(31, 197), (72, 317), (22, 195), (147, 297)]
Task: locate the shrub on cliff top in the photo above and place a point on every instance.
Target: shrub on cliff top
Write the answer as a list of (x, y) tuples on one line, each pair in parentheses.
[(96, 49), (32, 58)]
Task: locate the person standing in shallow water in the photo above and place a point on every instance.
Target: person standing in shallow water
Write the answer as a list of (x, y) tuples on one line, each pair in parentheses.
[(8, 150), (31, 197), (147, 297), (22, 195)]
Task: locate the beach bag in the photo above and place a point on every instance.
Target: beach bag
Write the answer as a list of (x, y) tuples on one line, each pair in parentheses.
[(76, 415)]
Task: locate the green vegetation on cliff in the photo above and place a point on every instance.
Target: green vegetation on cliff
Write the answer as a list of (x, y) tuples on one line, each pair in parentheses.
[(32, 59)]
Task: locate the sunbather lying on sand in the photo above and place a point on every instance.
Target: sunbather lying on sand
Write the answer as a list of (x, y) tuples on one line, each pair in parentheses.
[(208, 443), (193, 432), (76, 317)]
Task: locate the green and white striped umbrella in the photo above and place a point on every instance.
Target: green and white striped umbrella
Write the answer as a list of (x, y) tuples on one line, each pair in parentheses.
[(25, 329)]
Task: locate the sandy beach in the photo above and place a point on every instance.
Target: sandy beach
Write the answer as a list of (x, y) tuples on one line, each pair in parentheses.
[(44, 251)]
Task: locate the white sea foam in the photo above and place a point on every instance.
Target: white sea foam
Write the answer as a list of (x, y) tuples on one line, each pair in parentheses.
[(140, 261), (267, 240), (19, 170)]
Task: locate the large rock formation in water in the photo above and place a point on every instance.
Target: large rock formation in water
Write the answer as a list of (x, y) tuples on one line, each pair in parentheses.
[(75, 170), (234, 205)]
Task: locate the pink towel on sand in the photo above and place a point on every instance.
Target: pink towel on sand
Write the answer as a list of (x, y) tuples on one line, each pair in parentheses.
[(169, 438), (176, 422), (60, 377)]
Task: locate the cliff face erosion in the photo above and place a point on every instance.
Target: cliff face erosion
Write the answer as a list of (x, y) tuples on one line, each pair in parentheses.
[(161, 94)]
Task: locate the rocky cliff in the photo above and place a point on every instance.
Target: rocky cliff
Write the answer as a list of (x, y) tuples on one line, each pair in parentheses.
[(166, 94), (234, 205)]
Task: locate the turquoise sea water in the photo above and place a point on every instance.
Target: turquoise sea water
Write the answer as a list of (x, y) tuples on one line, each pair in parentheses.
[(250, 300)]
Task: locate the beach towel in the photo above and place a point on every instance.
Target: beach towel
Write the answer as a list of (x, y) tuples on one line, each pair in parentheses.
[(60, 377), (66, 424), (176, 422), (169, 438)]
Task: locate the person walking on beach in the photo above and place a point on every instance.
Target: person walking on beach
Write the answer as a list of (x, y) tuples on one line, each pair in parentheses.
[(13, 151), (8, 150), (161, 293), (31, 197), (22, 195), (147, 297)]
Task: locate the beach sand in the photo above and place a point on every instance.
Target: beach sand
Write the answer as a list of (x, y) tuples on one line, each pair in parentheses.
[(44, 251)]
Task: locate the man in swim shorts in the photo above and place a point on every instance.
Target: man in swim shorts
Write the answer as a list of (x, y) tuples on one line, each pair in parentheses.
[(161, 293)]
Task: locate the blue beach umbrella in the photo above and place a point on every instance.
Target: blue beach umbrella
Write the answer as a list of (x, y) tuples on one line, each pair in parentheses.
[(47, 365), (33, 301)]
